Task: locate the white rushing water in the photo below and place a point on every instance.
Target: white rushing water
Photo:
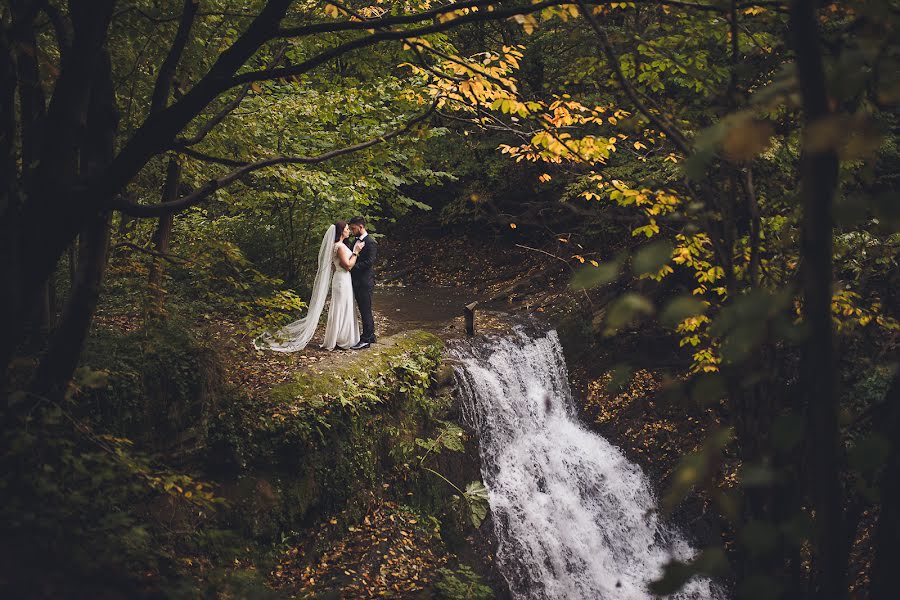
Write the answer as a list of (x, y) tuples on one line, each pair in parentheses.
[(573, 517)]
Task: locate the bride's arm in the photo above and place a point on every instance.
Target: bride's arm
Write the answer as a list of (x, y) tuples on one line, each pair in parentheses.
[(347, 258)]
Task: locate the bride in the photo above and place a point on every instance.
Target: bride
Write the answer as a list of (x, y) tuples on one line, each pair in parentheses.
[(342, 330)]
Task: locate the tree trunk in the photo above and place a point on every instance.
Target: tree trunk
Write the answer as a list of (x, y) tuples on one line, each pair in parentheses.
[(37, 242), (818, 180), (10, 207), (161, 240), (58, 365), (32, 102), (887, 531), (32, 110)]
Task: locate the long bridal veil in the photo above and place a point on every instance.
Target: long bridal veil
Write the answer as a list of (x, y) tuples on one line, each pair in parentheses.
[(295, 336)]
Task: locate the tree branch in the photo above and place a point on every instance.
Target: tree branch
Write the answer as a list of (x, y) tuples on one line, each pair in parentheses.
[(230, 162), (159, 130), (389, 35), (142, 210), (207, 127), (660, 120), (160, 97), (168, 257), (382, 22)]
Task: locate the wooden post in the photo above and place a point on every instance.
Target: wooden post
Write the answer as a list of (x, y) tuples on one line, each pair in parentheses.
[(469, 312)]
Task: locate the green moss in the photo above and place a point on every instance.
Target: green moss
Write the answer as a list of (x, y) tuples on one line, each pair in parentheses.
[(358, 371), (335, 434), (461, 584)]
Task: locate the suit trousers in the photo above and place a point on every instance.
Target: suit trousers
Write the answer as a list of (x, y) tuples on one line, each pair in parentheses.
[(362, 291)]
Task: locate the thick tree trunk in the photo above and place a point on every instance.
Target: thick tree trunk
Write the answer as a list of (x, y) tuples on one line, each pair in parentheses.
[(32, 102), (10, 207), (161, 238), (818, 181), (39, 240), (58, 365), (887, 532), (74, 208)]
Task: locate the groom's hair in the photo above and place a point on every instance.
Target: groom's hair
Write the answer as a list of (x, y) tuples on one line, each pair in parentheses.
[(358, 221)]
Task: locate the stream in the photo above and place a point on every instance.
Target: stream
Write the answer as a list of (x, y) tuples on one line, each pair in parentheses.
[(574, 518), (438, 310)]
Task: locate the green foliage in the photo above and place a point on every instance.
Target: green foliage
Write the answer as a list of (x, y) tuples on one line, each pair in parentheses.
[(461, 583), (450, 436), (160, 382), (476, 497), (75, 501), (473, 500), (714, 218)]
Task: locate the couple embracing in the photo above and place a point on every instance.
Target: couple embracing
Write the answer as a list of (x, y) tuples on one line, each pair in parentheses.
[(347, 269)]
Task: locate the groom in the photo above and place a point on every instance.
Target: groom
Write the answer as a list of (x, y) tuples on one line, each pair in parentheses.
[(363, 277)]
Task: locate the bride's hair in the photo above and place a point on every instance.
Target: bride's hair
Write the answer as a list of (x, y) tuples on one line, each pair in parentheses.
[(339, 230)]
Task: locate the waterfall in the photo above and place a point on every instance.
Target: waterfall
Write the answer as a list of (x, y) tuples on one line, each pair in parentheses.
[(573, 517)]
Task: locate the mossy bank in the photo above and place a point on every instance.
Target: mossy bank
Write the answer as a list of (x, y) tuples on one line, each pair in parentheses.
[(352, 473), (370, 428)]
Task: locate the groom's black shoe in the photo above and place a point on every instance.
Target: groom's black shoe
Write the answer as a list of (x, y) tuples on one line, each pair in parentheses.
[(361, 346)]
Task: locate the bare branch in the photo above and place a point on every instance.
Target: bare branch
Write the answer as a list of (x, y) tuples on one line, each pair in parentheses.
[(169, 18), (382, 22), (158, 131), (169, 257), (379, 23), (156, 210)]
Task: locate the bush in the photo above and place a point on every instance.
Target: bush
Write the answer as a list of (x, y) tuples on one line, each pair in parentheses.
[(159, 383)]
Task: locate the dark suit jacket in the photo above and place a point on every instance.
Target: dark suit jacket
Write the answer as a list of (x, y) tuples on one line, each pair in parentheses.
[(363, 272)]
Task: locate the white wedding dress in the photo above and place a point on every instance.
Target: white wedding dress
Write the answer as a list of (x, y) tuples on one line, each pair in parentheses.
[(342, 329)]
